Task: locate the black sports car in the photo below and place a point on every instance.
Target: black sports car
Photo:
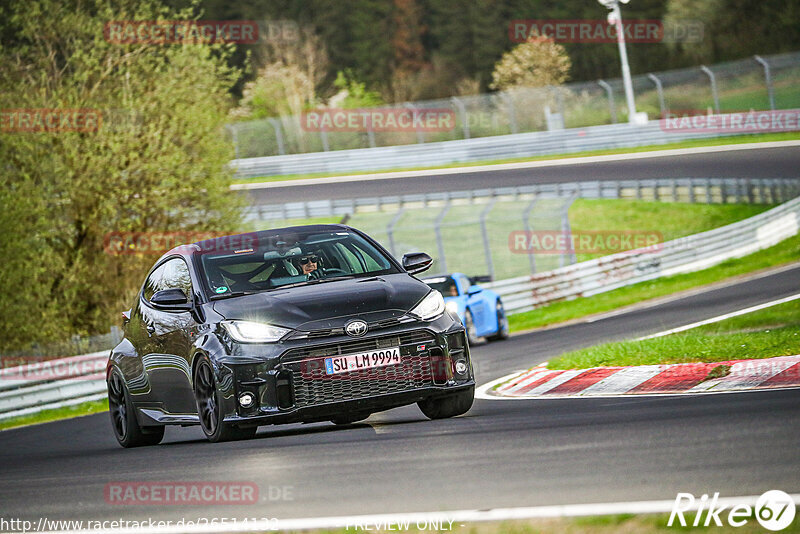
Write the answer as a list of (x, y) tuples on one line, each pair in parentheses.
[(300, 324)]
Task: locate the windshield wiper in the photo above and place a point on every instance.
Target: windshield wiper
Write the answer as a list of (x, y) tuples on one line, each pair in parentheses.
[(315, 281), (236, 294)]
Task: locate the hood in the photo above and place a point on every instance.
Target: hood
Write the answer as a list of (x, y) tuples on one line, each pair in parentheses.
[(328, 305)]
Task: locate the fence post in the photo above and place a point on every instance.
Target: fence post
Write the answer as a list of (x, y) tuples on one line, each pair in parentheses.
[(390, 230), (566, 229), (420, 135), (462, 110), (276, 125), (692, 200), (526, 223), (437, 229), (235, 138), (660, 90), (512, 116), (713, 80), (611, 106), (487, 250), (768, 79), (323, 135)]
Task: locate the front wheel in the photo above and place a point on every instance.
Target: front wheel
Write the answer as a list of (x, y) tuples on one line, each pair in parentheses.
[(449, 406), (123, 417), (209, 408), (502, 323), (469, 326)]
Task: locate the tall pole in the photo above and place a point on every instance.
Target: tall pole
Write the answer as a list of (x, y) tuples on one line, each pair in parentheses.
[(623, 55)]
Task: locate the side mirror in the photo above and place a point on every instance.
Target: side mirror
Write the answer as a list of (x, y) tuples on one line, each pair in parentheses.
[(474, 290), (416, 262), (170, 300)]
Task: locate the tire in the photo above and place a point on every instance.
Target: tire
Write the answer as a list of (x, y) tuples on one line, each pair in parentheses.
[(123, 417), (449, 406), (469, 326), (502, 322), (349, 419), (208, 400)]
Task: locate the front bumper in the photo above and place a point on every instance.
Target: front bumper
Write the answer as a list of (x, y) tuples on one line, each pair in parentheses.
[(293, 386)]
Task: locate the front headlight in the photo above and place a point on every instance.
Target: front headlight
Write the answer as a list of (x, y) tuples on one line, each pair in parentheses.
[(431, 307), (250, 332)]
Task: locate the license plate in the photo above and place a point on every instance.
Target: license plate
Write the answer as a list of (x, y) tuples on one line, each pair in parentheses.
[(362, 360)]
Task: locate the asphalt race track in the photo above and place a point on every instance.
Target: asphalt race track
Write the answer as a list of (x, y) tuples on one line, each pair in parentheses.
[(501, 454), (754, 163)]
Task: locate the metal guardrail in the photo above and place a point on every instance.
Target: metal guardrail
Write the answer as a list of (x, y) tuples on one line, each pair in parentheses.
[(39, 385), (522, 145), (700, 190), (682, 255), (44, 384)]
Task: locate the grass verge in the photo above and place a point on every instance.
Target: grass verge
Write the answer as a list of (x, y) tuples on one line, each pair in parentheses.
[(784, 252), (734, 140), (765, 333), (45, 416)]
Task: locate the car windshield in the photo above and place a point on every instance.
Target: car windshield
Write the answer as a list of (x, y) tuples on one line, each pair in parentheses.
[(279, 261), (444, 285)]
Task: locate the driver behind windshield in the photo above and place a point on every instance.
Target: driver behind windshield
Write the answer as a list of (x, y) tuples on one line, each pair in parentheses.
[(308, 265)]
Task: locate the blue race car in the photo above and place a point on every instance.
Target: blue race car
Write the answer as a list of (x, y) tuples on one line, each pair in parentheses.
[(481, 310)]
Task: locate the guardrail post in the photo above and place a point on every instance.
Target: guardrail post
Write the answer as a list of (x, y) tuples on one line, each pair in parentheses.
[(390, 230), (708, 191), (610, 93), (749, 190), (420, 135), (768, 79), (713, 80), (692, 200), (526, 223), (674, 186), (660, 90), (487, 249), (437, 228), (276, 125), (462, 110), (512, 116)]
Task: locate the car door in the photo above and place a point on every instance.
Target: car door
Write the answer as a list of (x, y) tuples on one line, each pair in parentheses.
[(168, 365), (477, 305)]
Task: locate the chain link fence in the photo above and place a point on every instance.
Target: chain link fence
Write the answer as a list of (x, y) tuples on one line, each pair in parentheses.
[(759, 83)]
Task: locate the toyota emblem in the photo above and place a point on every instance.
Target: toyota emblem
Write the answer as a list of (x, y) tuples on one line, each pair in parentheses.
[(356, 328)]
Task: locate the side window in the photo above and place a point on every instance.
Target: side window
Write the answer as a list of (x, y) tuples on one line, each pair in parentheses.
[(153, 282), (352, 260), (170, 275), (176, 276)]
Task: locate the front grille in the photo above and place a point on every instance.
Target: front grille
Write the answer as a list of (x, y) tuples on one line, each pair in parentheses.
[(313, 386), (357, 345), (327, 332)]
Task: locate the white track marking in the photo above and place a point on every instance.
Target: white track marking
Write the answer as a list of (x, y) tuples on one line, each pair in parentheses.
[(447, 518), (555, 382), (722, 317), (514, 166), (623, 380), (530, 378)]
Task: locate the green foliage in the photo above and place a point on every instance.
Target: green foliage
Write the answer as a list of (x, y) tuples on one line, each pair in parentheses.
[(156, 163), (357, 95)]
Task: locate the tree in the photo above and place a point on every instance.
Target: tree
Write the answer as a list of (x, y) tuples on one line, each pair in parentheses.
[(535, 63), (156, 162)]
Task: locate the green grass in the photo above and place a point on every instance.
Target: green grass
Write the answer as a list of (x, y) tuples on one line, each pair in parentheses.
[(784, 252), (732, 140), (86, 408), (765, 333)]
